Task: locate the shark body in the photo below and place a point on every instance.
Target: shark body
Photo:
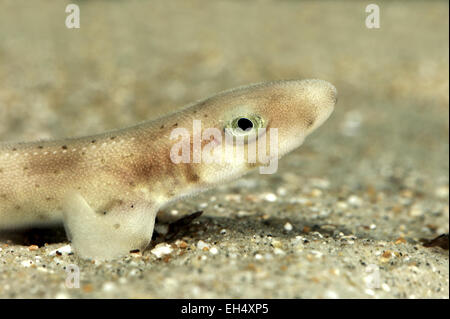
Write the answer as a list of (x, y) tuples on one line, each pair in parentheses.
[(107, 189)]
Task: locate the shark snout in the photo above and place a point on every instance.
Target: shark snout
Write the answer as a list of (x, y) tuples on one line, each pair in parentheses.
[(320, 97)]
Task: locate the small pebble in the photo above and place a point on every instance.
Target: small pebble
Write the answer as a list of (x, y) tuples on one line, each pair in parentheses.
[(258, 257), (355, 201), (288, 226), (161, 250), (26, 263), (387, 254), (270, 197), (416, 211), (67, 249), (202, 245), (181, 244)]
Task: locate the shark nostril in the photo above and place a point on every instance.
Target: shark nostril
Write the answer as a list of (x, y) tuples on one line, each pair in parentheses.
[(309, 122), (334, 93)]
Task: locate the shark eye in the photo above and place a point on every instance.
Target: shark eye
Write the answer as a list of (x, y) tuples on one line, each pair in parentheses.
[(245, 125)]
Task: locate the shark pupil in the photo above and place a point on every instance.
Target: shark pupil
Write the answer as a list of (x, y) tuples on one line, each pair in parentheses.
[(245, 124)]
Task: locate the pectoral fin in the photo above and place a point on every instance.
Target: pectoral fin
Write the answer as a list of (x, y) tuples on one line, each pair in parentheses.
[(107, 235)]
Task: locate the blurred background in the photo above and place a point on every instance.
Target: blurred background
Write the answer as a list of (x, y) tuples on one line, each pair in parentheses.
[(386, 143)]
